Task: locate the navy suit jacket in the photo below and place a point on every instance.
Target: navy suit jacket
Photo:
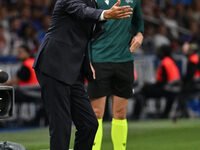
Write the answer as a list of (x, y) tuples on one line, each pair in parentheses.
[(63, 52)]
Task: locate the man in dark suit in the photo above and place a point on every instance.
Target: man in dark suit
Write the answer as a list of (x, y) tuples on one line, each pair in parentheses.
[(61, 60)]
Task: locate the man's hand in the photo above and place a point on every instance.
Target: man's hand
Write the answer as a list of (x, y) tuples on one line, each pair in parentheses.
[(136, 42), (93, 71), (118, 12)]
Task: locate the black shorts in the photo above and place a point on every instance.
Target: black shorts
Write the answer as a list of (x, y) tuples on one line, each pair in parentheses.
[(112, 79)]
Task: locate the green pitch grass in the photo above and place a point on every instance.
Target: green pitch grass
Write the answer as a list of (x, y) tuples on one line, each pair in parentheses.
[(148, 135)]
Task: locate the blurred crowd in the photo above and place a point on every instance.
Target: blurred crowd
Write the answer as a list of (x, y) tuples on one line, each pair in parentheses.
[(167, 22), (170, 22), (23, 22)]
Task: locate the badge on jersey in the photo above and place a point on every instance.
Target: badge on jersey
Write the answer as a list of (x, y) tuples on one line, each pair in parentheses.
[(107, 2), (129, 1)]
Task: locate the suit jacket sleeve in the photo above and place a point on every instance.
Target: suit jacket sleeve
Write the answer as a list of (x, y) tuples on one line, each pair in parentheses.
[(81, 10)]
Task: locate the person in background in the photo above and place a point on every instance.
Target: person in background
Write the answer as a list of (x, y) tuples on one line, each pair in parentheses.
[(29, 37), (4, 18), (112, 58), (45, 25), (193, 66), (160, 38), (191, 79), (148, 45), (25, 14), (4, 41), (15, 40), (27, 88), (167, 77), (171, 22), (25, 75)]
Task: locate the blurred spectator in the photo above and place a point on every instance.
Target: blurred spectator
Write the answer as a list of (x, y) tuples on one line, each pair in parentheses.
[(25, 14), (193, 68), (195, 32), (180, 14), (196, 14), (27, 89), (4, 17), (37, 14), (167, 79), (189, 15), (25, 75), (148, 45), (47, 6), (4, 41), (29, 37), (191, 80), (170, 21), (45, 25), (13, 12), (15, 41), (148, 7), (160, 38)]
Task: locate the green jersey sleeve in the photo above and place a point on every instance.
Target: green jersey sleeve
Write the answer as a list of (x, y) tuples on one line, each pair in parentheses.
[(137, 20)]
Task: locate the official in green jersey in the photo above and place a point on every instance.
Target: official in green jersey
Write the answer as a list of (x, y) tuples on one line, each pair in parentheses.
[(111, 55)]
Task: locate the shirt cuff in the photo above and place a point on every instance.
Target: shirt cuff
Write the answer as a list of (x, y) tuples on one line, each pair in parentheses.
[(101, 18)]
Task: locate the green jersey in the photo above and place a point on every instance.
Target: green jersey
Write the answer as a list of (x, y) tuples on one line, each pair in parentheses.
[(114, 44)]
